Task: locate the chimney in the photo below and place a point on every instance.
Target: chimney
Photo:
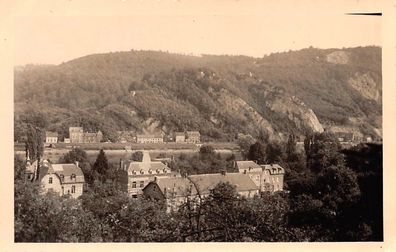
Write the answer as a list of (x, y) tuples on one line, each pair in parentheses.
[(155, 179), (76, 162)]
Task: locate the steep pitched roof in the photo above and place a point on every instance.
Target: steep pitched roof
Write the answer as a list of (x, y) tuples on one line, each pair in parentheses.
[(146, 165), (180, 186), (177, 186), (51, 134), (247, 165), (206, 182), (274, 168)]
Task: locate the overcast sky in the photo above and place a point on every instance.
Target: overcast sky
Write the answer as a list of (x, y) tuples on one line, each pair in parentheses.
[(53, 35)]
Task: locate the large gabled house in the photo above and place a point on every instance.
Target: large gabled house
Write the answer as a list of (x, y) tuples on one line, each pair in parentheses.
[(64, 179), (133, 176), (174, 191), (269, 177)]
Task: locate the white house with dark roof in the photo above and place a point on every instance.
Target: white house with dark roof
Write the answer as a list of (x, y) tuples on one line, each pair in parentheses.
[(134, 176), (65, 179), (176, 190), (51, 137)]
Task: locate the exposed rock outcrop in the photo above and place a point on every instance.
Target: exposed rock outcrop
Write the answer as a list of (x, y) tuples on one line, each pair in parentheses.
[(365, 85), (338, 57), (297, 112)]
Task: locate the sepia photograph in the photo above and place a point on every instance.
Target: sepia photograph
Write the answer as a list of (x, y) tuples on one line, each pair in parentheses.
[(167, 121)]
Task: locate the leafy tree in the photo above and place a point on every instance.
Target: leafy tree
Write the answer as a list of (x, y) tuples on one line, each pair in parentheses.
[(137, 156), (244, 144), (49, 217), (274, 153), (206, 150), (19, 169), (322, 150), (257, 152)]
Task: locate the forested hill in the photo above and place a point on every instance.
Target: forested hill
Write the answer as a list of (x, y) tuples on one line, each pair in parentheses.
[(147, 91)]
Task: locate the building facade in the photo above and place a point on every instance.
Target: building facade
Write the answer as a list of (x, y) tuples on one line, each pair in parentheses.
[(51, 137), (77, 135), (180, 137), (134, 176), (64, 179), (269, 178), (174, 191), (150, 138)]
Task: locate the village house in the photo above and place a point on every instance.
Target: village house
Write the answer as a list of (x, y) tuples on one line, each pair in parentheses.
[(269, 177), (150, 138), (180, 137), (345, 136), (77, 135), (51, 137), (64, 179), (176, 190), (134, 176), (193, 137)]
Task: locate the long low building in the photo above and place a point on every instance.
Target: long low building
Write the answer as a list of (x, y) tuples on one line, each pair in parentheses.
[(176, 190), (150, 138)]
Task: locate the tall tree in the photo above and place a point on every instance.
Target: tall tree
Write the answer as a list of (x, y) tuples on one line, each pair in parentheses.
[(34, 144), (101, 165), (257, 152)]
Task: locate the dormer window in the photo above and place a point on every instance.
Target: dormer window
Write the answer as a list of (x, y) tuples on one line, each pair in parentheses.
[(73, 176)]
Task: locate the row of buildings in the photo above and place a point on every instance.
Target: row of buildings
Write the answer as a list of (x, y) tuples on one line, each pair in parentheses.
[(76, 135), (178, 137), (155, 180)]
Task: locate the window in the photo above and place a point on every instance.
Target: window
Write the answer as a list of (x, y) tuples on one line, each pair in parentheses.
[(73, 189), (277, 179), (62, 177), (141, 183), (50, 180), (134, 184)]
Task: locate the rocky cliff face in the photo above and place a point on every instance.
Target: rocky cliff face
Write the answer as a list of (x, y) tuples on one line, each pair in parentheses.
[(235, 105), (365, 85), (297, 112)]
